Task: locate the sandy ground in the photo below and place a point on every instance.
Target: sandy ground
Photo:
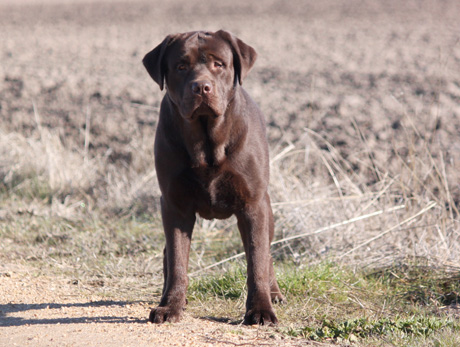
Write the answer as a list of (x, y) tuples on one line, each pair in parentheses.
[(44, 311)]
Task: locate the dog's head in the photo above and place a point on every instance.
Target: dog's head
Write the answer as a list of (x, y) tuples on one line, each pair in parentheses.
[(201, 70)]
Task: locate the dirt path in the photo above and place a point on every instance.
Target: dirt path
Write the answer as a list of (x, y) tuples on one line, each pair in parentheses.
[(46, 311)]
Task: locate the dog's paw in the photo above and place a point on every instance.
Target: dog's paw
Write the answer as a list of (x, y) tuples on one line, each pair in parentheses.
[(165, 314), (261, 317), (278, 298)]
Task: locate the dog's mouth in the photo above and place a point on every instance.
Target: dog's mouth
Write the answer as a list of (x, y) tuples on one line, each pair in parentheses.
[(203, 109)]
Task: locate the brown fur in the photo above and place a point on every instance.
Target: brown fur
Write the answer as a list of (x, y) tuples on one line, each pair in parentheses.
[(211, 157)]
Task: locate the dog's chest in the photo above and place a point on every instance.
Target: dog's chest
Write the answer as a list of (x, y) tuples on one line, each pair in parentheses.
[(219, 193)]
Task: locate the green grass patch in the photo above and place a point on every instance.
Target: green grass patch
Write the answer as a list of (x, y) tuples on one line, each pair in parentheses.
[(363, 328), (231, 285), (421, 283), (28, 188), (328, 302)]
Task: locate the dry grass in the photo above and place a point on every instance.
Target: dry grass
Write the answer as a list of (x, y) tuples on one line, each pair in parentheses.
[(425, 227), (331, 215)]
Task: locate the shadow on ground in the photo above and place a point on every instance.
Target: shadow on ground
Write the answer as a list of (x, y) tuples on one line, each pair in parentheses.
[(9, 321)]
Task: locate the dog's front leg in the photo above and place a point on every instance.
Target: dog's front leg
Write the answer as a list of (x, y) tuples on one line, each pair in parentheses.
[(254, 228), (178, 227)]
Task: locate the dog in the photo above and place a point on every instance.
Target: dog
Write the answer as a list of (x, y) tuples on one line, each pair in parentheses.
[(211, 159)]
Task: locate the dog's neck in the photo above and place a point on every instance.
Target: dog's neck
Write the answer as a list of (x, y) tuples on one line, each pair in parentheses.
[(206, 141)]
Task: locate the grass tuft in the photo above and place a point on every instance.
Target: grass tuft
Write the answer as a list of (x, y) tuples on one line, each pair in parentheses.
[(363, 328), (230, 285), (330, 302), (421, 283)]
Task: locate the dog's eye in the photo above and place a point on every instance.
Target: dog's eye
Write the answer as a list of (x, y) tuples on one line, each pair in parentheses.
[(218, 64), (181, 67)]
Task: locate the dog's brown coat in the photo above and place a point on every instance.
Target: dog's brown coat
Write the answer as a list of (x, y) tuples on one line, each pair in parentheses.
[(211, 157)]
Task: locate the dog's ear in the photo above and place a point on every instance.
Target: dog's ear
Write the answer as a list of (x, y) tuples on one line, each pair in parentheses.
[(244, 56), (154, 62)]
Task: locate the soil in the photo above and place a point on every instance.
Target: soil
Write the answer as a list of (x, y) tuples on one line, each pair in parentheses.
[(382, 73), (53, 311)]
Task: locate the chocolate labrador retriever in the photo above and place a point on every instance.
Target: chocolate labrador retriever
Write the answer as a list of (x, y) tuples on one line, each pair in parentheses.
[(211, 157)]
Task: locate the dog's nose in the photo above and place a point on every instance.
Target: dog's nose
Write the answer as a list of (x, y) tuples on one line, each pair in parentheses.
[(202, 87)]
